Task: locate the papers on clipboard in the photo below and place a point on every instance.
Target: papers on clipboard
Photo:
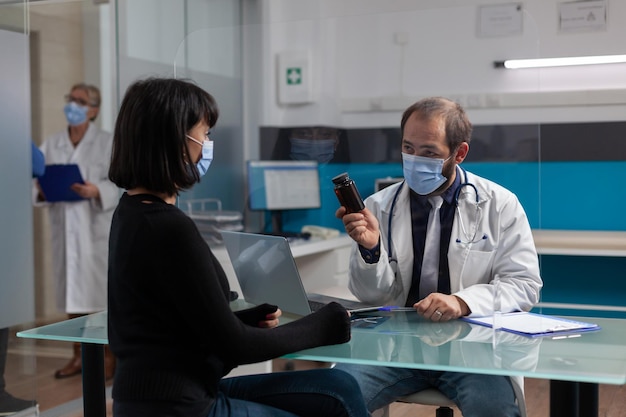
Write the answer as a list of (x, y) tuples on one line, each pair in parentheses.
[(57, 180), (534, 325)]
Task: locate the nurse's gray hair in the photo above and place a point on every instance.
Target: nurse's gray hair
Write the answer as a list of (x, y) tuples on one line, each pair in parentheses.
[(457, 125), (93, 93)]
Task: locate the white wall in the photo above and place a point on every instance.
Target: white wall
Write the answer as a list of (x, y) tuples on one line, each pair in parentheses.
[(358, 67)]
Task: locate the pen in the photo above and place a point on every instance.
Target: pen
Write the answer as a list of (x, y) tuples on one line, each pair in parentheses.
[(396, 308), (380, 308)]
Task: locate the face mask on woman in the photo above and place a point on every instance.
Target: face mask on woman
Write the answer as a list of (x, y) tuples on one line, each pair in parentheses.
[(422, 174), (207, 155)]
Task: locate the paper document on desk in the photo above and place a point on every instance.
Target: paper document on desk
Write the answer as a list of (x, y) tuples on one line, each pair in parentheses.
[(533, 325)]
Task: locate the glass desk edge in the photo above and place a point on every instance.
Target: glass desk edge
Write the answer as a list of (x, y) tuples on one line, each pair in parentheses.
[(91, 328)]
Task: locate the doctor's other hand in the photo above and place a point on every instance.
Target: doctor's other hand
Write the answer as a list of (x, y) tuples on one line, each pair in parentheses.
[(362, 227), (441, 307), (86, 190), (271, 319)]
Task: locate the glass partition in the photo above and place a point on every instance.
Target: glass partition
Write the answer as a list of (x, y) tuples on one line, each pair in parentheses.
[(47, 46), (368, 64), (550, 135), (201, 41), (17, 296), (16, 286)]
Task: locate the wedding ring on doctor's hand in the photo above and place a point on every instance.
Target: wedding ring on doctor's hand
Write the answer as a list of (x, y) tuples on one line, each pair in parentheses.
[(439, 314)]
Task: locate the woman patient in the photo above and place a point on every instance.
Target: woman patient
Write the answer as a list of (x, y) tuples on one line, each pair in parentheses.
[(170, 324)]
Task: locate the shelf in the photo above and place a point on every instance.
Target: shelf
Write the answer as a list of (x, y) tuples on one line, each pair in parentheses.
[(580, 242)]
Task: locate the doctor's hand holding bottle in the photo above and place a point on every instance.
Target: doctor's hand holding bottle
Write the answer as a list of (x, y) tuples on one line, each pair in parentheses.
[(362, 227)]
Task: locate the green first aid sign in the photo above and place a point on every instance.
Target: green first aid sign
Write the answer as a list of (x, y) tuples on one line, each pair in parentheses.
[(294, 76)]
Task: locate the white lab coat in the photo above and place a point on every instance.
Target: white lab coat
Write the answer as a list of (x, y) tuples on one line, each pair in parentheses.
[(80, 230), (508, 250)]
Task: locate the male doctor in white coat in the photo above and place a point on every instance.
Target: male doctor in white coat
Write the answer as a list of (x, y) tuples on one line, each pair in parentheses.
[(480, 231), (80, 229)]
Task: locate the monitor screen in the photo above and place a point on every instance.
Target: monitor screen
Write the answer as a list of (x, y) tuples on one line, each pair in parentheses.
[(381, 183), (283, 185)]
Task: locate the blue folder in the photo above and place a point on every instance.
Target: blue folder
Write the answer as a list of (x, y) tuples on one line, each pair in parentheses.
[(57, 180)]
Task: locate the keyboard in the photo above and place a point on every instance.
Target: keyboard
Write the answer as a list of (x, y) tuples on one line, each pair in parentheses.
[(290, 235), (316, 305)]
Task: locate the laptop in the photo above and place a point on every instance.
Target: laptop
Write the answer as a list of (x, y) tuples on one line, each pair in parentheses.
[(267, 273)]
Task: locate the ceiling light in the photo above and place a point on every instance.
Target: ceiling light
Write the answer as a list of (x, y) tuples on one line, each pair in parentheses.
[(559, 62)]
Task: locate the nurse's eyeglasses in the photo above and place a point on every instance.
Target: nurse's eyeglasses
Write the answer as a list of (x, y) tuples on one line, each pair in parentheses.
[(70, 98)]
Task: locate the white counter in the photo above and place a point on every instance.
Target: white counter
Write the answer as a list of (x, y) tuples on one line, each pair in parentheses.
[(580, 242)]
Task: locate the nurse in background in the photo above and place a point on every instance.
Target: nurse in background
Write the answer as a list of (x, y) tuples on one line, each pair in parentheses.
[(80, 229)]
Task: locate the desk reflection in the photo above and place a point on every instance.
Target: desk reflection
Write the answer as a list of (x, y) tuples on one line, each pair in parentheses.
[(407, 340)]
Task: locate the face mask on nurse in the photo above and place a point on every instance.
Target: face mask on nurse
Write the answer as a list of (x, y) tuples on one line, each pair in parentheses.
[(75, 113), (422, 174)]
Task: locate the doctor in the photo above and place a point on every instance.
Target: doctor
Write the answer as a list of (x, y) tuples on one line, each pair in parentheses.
[(435, 242), (80, 229)]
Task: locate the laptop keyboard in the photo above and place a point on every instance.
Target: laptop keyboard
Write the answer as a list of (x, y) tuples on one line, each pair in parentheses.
[(316, 305)]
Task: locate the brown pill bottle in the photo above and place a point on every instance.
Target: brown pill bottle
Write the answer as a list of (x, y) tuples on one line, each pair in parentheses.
[(347, 193)]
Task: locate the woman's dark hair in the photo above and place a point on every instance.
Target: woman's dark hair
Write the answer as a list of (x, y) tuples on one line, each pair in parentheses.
[(150, 147), (457, 125)]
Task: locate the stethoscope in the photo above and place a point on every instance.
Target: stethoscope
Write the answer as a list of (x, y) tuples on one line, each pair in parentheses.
[(470, 238)]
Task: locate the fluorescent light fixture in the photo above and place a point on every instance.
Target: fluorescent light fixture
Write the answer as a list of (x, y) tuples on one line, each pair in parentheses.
[(560, 62)]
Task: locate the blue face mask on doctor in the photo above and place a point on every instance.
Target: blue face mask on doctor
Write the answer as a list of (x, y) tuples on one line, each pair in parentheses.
[(207, 155), (423, 175)]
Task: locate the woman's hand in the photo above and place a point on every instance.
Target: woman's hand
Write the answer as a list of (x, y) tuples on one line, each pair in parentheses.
[(271, 320)]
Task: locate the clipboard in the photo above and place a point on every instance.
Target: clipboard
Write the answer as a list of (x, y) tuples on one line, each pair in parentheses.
[(534, 325), (56, 181)]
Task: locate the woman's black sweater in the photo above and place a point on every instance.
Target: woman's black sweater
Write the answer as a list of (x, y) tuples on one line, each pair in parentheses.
[(169, 321)]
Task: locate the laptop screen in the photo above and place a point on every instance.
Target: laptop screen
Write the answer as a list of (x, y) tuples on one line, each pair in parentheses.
[(266, 271)]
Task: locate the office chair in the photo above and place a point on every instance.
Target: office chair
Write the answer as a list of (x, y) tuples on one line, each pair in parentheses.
[(435, 397), (427, 397)]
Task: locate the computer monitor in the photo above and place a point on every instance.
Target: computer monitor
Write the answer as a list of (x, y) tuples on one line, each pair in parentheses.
[(283, 185), (381, 183)]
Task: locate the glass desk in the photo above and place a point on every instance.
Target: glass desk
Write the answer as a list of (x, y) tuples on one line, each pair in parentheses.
[(574, 363), (91, 332)]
